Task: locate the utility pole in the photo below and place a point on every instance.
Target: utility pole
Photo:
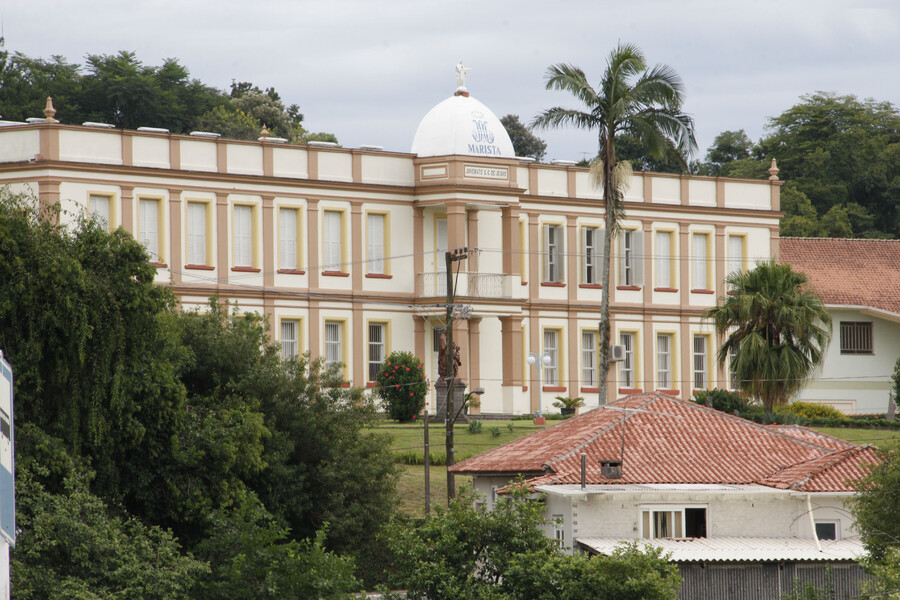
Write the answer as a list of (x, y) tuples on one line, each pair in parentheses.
[(450, 258)]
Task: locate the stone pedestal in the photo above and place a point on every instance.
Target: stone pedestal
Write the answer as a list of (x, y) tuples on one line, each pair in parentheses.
[(459, 396)]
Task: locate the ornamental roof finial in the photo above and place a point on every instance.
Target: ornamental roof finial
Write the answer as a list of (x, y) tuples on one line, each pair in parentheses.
[(49, 111), (773, 171)]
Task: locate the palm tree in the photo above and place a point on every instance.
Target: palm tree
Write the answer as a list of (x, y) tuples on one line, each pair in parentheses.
[(630, 99), (779, 330)]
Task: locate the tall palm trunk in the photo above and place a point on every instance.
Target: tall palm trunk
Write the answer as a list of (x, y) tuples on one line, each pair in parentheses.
[(610, 221)]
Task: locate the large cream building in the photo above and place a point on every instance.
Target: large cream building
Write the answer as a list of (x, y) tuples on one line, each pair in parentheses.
[(342, 249)]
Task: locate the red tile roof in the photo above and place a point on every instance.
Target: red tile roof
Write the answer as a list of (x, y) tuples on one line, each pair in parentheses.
[(829, 473), (848, 272), (813, 436), (666, 440)]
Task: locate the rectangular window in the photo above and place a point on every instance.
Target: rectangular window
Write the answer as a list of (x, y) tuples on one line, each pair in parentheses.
[(700, 375), (826, 530), (592, 255), (735, 254), (588, 358), (732, 365), (701, 281), (441, 245), (631, 271), (674, 522), (334, 344), (554, 249), (626, 367), (196, 233), (664, 259), (290, 344), (376, 349), (664, 361), (375, 243), (551, 348), (559, 533), (331, 241), (287, 238), (856, 337), (148, 227), (99, 208), (242, 234)]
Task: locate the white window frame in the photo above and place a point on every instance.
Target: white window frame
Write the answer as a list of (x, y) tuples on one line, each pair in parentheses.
[(664, 361), (288, 246), (589, 358), (647, 519), (732, 376), (376, 225), (290, 338), (559, 531), (735, 249), (551, 348), (148, 227), (700, 255), (664, 259), (591, 255), (626, 366), (197, 234), (631, 250), (242, 235), (554, 253), (100, 206), (377, 348), (334, 344), (332, 240), (835, 523), (700, 362)]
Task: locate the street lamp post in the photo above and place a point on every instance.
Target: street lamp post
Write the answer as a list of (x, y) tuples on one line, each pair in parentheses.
[(544, 362)]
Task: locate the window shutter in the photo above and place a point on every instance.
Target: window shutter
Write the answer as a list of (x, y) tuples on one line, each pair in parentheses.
[(561, 253), (637, 257), (621, 258), (663, 266), (287, 221), (545, 254), (600, 252), (585, 259)]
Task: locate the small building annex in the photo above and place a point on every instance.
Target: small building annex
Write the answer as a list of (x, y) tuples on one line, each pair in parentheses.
[(858, 281), (734, 502)]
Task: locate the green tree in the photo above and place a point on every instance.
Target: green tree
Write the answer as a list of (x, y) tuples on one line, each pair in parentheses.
[(70, 545), (402, 385), (630, 99), (630, 148), (90, 338), (470, 552), (524, 142), (252, 558), (838, 150), (875, 508), (778, 327), (231, 123)]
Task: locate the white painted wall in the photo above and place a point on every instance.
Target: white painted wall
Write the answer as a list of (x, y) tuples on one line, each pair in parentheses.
[(19, 145), (666, 190), (197, 155), (150, 151), (701, 192), (553, 182), (335, 166), (245, 159), (739, 194), (103, 147), (858, 383), (289, 161), (391, 170)]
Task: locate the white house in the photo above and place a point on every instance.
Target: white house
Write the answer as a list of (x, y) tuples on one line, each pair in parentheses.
[(753, 501), (859, 282)]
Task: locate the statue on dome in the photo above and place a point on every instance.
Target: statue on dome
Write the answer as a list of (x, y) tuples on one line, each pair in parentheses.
[(461, 74)]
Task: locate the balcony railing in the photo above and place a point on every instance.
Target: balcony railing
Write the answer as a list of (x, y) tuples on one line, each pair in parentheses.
[(473, 285)]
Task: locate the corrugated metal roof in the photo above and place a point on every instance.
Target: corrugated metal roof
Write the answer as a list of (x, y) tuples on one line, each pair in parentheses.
[(740, 549)]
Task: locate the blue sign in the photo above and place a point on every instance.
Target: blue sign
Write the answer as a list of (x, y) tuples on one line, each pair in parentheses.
[(7, 455)]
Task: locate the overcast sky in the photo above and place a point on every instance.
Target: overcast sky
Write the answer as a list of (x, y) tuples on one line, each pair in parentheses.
[(368, 71)]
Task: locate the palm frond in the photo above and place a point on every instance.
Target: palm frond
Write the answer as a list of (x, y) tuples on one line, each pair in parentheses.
[(557, 116)]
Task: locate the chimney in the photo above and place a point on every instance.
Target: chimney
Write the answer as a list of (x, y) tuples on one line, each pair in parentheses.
[(611, 469)]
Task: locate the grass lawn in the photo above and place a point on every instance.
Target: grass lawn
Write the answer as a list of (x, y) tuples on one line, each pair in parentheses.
[(877, 437), (411, 489), (409, 438)]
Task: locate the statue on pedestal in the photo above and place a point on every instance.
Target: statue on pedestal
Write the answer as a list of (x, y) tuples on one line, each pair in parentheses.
[(442, 358)]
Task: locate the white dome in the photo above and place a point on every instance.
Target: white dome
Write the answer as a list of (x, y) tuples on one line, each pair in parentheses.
[(462, 125)]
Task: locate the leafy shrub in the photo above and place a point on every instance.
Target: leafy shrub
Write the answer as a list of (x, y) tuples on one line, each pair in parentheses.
[(730, 402), (402, 386), (567, 402), (495, 431), (510, 427), (475, 426), (810, 410)]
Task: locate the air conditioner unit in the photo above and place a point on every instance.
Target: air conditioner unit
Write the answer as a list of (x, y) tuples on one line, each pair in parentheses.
[(617, 353)]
